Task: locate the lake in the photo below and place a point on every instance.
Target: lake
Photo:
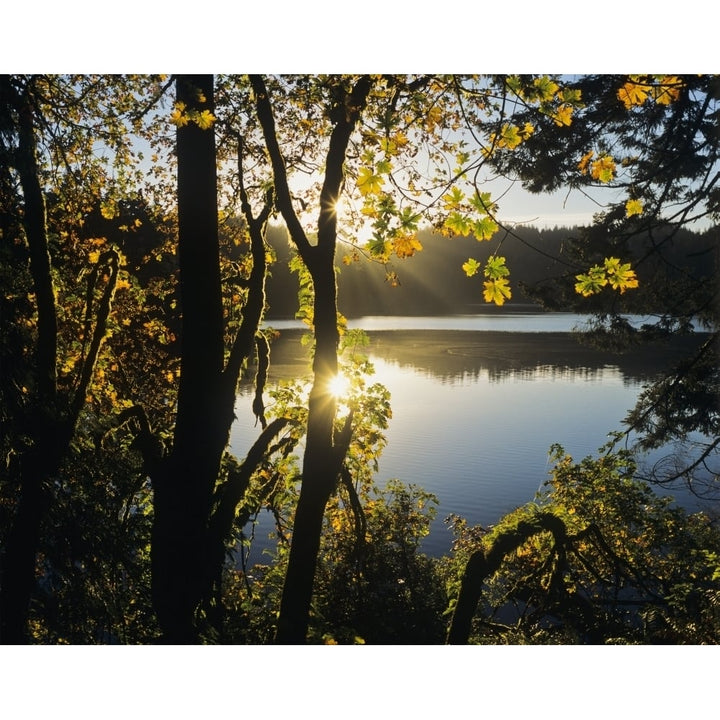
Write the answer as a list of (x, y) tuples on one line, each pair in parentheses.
[(477, 401)]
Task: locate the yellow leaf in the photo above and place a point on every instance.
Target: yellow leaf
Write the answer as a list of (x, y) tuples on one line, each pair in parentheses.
[(619, 275), (496, 291), (405, 246), (592, 282), (633, 207), (108, 209), (563, 115), (400, 138), (204, 120), (433, 118), (510, 137), (668, 91), (368, 183), (178, 116), (603, 169), (633, 93), (452, 200), (583, 164)]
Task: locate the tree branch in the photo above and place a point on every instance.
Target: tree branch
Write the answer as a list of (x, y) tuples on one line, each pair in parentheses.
[(109, 260), (231, 494), (252, 312), (35, 223), (481, 565), (283, 200)]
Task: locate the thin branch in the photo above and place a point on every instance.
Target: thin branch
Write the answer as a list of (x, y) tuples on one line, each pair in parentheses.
[(282, 189)]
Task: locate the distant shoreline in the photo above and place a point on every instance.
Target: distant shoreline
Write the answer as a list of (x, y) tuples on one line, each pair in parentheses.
[(465, 350)]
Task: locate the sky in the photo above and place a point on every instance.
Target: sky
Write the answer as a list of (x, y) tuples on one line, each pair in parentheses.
[(376, 35)]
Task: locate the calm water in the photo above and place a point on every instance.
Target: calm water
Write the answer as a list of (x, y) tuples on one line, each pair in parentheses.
[(477, 401)]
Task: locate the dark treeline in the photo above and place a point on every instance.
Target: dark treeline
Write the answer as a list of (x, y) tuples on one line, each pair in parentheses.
[(432, 282)]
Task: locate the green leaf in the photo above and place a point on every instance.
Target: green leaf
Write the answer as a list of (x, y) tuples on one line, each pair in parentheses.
[(592, 282), (471, 267), (383, 167), (459, 224), (453, 199), (482, 202), (484, 228), (495, 268)]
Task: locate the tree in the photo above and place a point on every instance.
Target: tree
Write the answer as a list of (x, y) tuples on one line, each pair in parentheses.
[(193, 515), (401, 151), (653, 140), (43, 403), (598, 558), (193, 518), (366, 133)]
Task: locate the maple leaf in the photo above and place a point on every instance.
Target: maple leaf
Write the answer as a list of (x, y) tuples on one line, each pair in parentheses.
[(204, 120), (573, 96), (546, 88), (495, 268), (368, 183), (388, 146), (496, 291), (584, 160), (484, 228), (563, 115), (383, 167), (453, 199), (109, 209), (409, 219), (400, 138), (379, 248), (619, 275), (592, 282), (433, 117), (668, 91), (471, 267), (633, 207), (633, 93), (483, 203), (603, 169), (406, 246), (510, 136), (457, 223), (178, 116)]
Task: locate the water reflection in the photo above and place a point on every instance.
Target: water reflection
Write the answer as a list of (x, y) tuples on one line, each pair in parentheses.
[(474, 413), (454, 356)]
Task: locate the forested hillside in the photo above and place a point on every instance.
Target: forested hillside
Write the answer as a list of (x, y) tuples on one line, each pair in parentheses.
[(542, 267)]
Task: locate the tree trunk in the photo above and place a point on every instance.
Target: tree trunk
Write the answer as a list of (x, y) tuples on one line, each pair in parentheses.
[(183, 489), (50, 439), (483, 564), (323, 456), (321, 465)]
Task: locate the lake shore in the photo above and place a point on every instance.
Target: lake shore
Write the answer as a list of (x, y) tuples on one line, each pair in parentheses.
[(461, 351)]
